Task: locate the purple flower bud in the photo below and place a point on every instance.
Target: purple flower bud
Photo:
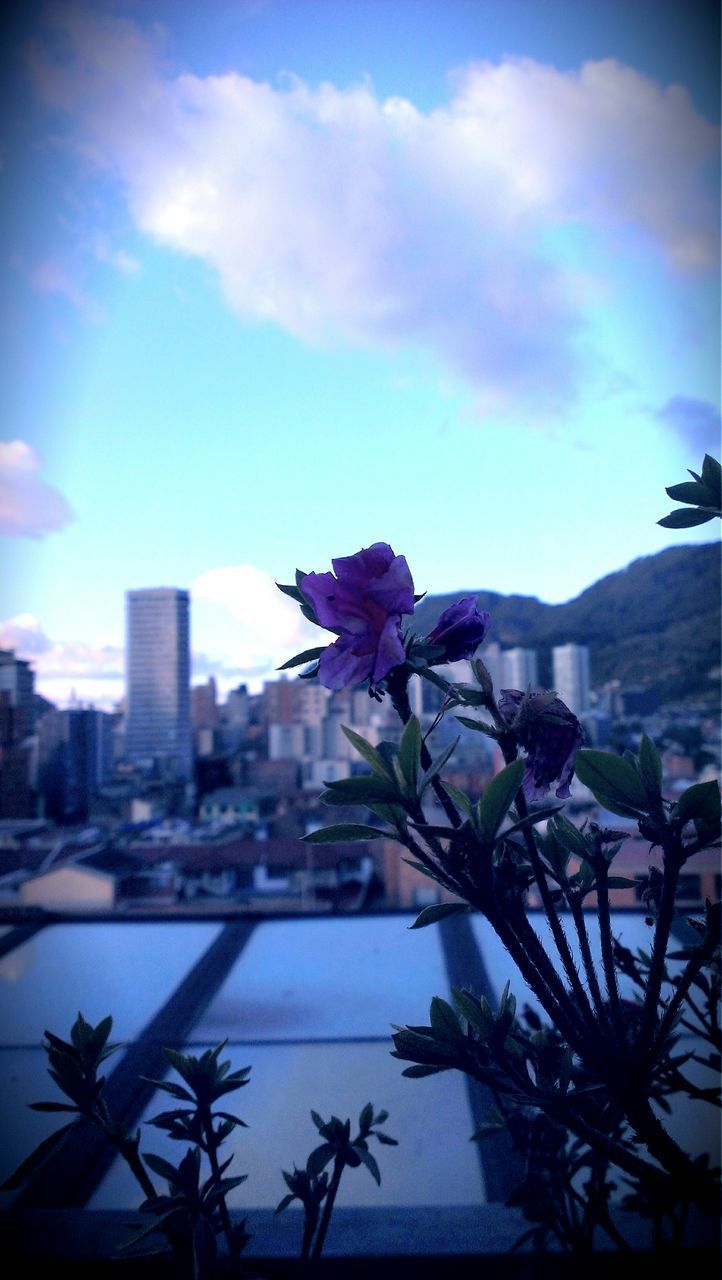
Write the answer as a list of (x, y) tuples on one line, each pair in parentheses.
[(460, 629), (363, 603), (549, 733)]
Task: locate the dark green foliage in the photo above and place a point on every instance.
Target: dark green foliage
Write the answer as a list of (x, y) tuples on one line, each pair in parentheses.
[(703, 494), (190, 1218), (313, 1186)]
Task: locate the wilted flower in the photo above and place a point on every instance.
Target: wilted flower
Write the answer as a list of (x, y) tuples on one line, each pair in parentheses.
[(460, 629), (549, 733), (363, 603)]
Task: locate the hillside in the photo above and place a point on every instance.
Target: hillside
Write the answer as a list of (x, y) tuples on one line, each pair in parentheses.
[(655, 624)]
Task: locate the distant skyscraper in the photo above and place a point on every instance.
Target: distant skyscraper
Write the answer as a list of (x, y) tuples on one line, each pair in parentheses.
[(491, 656), (157, 693), (571, 675), (519, 668), (17, 679)]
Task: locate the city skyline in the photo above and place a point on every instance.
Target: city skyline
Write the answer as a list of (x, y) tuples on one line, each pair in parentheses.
[(284, 279)]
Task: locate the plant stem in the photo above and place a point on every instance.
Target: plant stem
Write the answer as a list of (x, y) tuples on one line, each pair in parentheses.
[(212, 1149), (126, 1146), (555, 923), (605, 937), (671, 865), (338, 1168), (577, 911), (399, 693), (682, 986)]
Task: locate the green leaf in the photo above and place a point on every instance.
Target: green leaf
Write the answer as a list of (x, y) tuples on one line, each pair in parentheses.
[(319, 1158), (343, 831), (497, 798), (162, 1167), (393, 814), (369, 753), (362, 789), (80, 1033), (156, 1225), (477, 1012), (439, 910), (689, 491), (308, 655), (366, 1117), (569, 836), (436, 766), (460, 799), (434, 678), (479, 725), (51, 1106), (366, 1158), (615, 783), (487, 1128), (444, 1021), (36, 1158), (650, 769), (291, 591), (700, 802), (712, 478), (409, 751), (539, 814), (686, 519), (419, 1070)]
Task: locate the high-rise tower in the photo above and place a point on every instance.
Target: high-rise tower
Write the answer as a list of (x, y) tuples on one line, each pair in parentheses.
[(519, 668), (157, 693), (571, 675)]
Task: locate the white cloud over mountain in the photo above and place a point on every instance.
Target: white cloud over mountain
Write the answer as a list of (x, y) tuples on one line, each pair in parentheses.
[(342, 217)]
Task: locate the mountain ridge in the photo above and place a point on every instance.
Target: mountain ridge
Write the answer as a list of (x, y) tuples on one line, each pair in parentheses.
[(654, 624)]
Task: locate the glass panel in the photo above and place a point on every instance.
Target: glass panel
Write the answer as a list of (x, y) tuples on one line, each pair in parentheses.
[(346, 978), (434, 1163), (126, 970), (24, 1079)]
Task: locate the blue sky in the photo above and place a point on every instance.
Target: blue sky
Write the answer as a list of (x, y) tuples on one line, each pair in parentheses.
[(284, 278)]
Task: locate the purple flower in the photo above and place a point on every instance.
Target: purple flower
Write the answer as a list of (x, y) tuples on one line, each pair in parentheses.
[(363, 603), (549, 733), (460, 629)]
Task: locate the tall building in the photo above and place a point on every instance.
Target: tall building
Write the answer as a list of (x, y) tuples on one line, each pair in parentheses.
[(17, 716), (519, 668), (157, 691), (75, 749), (571, 675), (17, 679)]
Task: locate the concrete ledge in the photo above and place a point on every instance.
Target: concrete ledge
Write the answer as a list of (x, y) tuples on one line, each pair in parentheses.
[(424, 1242)]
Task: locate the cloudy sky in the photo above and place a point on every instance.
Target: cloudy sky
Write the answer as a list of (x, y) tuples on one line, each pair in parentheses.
[(283, 278)]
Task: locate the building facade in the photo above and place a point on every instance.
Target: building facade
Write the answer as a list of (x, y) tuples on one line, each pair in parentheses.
[(158, 734), (519, 668), (571, 675)]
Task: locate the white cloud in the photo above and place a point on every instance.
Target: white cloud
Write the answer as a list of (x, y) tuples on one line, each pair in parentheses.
[(343, 217), (29, 507), (244, 628), (66, 670)]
